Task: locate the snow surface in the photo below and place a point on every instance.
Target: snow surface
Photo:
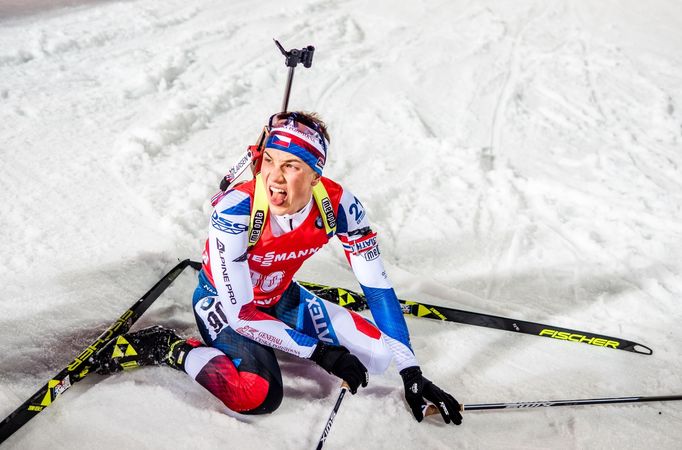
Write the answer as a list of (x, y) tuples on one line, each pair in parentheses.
[(518, 158)]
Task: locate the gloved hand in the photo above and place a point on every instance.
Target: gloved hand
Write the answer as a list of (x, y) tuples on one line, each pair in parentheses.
[(418, 388), (339, 361)]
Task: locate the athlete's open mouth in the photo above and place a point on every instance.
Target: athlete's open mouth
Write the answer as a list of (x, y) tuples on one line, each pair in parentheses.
[(277, 196)]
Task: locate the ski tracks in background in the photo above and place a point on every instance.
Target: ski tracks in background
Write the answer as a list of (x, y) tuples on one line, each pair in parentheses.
[(517, 203)]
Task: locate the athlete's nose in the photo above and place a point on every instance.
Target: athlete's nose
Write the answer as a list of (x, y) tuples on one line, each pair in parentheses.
[(278, 175)]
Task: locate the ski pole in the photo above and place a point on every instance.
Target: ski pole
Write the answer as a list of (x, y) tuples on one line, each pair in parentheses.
[(330, 421), (431, 409), (577, 402)]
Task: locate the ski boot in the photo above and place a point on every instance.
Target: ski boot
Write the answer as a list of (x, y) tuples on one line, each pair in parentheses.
[(151, 346)]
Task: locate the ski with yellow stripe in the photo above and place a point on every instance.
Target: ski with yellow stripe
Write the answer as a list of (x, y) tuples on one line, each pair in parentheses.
[(357, 302), (82, 365)]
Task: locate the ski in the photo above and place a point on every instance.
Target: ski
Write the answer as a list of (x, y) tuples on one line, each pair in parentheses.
[(358, 302), (81, 366)]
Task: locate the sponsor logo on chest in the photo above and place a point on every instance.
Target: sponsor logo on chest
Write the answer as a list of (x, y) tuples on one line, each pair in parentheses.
[(269, 258)]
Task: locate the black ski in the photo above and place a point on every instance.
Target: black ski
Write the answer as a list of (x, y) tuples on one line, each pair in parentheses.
[(358, 302), (80, 366)]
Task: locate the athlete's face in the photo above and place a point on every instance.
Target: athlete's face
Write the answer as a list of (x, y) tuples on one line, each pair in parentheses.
[(288, 181)]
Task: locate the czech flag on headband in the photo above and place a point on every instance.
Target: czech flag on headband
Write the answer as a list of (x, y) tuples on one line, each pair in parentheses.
[(298, 144), (281, 141)]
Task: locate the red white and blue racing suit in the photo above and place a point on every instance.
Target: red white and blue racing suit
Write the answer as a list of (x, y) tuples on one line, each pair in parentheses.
[(247, 302)]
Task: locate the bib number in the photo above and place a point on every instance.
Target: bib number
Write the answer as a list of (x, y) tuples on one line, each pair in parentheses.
[(211, 312)]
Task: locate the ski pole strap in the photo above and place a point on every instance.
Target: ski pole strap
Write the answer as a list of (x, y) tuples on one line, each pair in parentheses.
[(259, 211)]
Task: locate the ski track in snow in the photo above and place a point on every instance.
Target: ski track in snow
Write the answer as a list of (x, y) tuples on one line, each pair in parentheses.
[(536, 143)]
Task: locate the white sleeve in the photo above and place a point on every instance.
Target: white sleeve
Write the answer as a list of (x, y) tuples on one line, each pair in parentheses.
[(361, 246)]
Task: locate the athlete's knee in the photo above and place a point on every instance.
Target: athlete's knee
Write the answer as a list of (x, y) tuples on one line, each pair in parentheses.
[(366, 342), (272, 400), (381, 358), (249, 393), (241, 391)]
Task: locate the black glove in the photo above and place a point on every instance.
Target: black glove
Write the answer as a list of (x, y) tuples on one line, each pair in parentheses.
[(339, 361), (418, 388)]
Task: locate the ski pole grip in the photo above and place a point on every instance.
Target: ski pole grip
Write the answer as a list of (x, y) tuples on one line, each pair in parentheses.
[(431, 410)]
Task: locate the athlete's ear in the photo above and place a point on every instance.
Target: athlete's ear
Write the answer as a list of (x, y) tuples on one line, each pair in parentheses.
[(316, 179)]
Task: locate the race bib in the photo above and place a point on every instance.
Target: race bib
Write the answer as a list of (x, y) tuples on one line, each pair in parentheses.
[(210, 311)]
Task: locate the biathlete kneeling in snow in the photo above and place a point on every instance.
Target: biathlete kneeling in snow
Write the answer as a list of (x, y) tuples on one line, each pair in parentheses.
[(247, 303)]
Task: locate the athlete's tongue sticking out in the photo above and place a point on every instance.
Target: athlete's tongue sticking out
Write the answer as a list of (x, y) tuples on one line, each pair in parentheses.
[(293, 159), (277, 196)]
